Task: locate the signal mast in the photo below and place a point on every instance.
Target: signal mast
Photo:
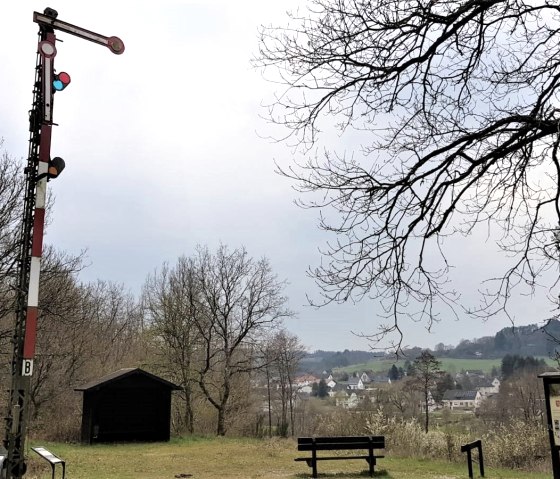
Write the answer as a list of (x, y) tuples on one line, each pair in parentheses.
[(39, 170)]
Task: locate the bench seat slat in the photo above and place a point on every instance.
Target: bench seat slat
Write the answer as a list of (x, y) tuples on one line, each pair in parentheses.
[(336, 458)]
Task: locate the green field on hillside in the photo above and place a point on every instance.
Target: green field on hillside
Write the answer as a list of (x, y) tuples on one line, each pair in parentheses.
[(450, 365), (210, 458)]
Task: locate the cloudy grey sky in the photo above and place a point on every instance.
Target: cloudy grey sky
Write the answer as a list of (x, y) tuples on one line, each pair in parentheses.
[(164, 151)]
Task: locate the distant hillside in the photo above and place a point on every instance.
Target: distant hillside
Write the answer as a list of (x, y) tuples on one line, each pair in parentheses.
[(320, 361), (531, 340), (450, 365)]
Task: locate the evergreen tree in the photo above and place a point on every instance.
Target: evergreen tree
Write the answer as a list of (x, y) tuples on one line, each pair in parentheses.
[(443, 384), (507, 366), (314, 389), (409, 368), (322, 389), (427, 373)]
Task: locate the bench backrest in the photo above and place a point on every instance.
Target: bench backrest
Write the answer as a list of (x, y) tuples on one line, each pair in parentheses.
[(340, 442)]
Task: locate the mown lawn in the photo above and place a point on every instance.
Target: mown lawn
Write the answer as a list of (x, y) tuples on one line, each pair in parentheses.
[(206, 458)]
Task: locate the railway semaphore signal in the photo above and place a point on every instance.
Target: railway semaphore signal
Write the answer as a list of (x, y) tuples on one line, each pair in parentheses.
[(39, 170)]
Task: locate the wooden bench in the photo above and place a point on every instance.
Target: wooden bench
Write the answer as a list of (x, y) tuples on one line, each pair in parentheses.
[(339, 443), (52, 459)]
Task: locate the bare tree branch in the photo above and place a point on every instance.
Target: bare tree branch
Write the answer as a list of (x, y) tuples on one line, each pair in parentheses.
[(459, 103)]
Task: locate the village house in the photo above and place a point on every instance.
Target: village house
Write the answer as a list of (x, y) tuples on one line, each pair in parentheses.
[(489, 388), (329, 379), (381, 379), (365, 378), (304, 383), (458, 399), (346, 400), (305, 380), (355, 383), (331, 383)]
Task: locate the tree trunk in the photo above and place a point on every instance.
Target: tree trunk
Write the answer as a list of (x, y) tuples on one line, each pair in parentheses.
[(269, 403), (189, 415), (427, 412), (221, 429)]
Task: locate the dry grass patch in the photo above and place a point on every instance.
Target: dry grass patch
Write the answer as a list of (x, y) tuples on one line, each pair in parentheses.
[(209, 458)]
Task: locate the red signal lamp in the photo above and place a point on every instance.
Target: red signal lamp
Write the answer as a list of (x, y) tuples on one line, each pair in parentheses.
[(61, 81)]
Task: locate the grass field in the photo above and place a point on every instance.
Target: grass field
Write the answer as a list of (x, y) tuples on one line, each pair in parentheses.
[(450, 365), (206, 458)]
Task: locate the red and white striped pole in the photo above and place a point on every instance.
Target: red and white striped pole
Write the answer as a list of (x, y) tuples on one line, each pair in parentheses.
[(47, 50), (39, 169)]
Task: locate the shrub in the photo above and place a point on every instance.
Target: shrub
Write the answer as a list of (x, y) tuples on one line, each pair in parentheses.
[(516, 444)]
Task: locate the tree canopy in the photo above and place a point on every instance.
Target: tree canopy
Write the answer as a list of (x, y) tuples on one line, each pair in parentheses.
[(459, 100)]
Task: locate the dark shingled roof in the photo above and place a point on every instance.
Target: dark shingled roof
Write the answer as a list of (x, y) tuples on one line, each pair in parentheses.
[(459, 395), (121, 374)]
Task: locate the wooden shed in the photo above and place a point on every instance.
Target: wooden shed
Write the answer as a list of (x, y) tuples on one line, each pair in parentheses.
[(127, 405)]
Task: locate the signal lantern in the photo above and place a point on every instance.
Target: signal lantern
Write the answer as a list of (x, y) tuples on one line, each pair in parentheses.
[(56, 165), (61, 81)]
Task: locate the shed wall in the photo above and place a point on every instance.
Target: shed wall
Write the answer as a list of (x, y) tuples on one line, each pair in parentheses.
[(135, 408)]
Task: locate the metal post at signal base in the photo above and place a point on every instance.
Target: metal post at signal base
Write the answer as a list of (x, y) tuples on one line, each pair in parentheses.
[(37, 174)]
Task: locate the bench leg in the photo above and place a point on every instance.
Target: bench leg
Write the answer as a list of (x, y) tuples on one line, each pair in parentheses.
[(372, 462), (314, 462)]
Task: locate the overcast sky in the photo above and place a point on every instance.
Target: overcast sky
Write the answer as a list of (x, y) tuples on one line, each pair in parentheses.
[(164, 150)]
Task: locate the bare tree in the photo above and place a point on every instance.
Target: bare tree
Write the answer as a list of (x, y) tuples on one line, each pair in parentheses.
[(170, 301), (268, 354), (291, 353), (400, 399), (241, 299), (460, 103), (62, 345), (115, 319), (11, 200), (84, 330), (284, 352), (520, 397)]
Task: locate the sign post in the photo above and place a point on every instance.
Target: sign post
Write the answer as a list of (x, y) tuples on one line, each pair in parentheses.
[(551, 381)]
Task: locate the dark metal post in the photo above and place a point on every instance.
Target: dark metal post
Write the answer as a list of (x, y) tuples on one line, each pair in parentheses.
[(551, 383), (480, 459), (468, 449)]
